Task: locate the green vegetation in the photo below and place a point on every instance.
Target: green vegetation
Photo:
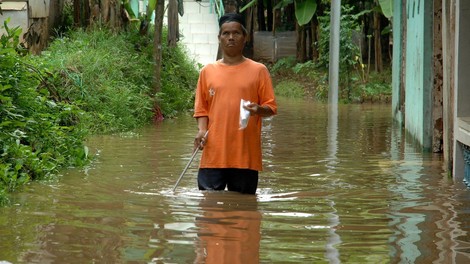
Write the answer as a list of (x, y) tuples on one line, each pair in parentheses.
[(310, 81), (86, 82), (38, 135), (110, 76), (357, 83)]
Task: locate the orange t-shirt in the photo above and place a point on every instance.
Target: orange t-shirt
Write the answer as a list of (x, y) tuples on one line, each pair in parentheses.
[(219, 91)]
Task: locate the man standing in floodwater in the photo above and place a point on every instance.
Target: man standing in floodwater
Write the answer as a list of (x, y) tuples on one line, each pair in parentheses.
[(232, 147)]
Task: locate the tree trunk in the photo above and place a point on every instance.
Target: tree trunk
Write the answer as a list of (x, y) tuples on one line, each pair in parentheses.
[(157, 44), (269, 8), (314, 38), (81, 13), (261, 18), (301, 43), (105, 12), (56, 16), (173, 29), (248, 52), (377, 42)]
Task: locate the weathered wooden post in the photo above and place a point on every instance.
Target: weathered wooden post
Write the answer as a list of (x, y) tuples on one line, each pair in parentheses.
[(38, 32)]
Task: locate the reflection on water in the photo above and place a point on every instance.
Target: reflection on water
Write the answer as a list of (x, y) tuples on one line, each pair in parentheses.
[(343, 186), (228, 229)]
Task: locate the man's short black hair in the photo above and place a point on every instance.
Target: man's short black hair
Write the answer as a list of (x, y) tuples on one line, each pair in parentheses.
[(232, 17)]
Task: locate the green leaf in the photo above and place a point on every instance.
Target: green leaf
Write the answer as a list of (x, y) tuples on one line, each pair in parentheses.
[(128, 8), (387, 8), (250, 4), (304, 11), (283, 3), (5, 87), (150, 8)]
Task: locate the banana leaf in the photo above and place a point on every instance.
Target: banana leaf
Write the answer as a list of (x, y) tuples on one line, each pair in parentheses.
[(304, 11), (387, 8)]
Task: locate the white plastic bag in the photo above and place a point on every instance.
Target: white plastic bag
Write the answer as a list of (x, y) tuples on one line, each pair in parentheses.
[(244, 114)]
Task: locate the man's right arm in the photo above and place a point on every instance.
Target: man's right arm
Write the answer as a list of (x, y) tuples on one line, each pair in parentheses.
[(202, 123)]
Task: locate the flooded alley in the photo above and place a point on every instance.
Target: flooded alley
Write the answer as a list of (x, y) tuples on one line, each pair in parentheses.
[(349, 188)]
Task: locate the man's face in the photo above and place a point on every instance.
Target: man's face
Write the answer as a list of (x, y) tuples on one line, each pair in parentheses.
[(232, 38)]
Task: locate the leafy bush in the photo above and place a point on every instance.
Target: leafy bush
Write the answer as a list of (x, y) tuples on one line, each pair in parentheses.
[(356, 85), (38, 135), (283, 65), (179, 80), (377, 88), (110, 76), (101, 72)]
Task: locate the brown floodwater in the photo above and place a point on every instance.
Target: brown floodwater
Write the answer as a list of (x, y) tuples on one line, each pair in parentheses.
[(344, 186)]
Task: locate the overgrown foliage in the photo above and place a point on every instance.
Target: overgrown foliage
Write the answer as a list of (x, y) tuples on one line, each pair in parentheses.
[(100, 72), (356, 83), (179, 79), (38, 134), (110, 76), (86, 82), (291, 77)]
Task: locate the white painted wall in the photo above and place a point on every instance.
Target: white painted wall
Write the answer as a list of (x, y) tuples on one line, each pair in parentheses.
[(199, 28), (18, 14)]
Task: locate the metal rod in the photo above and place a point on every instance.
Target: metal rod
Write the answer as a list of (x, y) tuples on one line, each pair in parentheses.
[(189, 163)]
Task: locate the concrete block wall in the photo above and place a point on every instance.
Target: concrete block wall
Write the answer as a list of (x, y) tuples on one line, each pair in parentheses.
[(418, 76), (18, 14), (199, 28)]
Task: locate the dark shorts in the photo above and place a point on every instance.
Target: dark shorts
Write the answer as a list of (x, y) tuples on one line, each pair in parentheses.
[(236, 180)]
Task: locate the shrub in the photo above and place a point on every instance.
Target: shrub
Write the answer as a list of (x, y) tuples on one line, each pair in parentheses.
[(38, 135)]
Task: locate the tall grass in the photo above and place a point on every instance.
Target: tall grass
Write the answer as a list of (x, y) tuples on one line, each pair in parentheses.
[(110, 76), (101, 72)]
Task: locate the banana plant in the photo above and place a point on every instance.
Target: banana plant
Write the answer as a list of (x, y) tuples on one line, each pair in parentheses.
[(150, 9), (387, 7), (304, 9), (127, 6)]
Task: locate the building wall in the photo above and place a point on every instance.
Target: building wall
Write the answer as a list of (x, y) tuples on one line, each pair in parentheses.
[(448, 48), (17, 12), (397, 87), (463, 57), (437, 79), (462, 92), (199, 29), (418, 79)]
